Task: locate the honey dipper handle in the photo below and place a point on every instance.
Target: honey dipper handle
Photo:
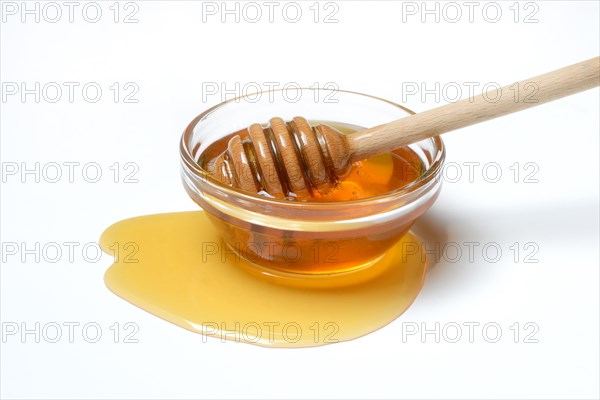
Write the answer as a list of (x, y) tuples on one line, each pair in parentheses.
[(494, 103)]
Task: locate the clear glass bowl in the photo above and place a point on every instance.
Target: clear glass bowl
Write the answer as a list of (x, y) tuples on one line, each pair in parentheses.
[(287, 237)]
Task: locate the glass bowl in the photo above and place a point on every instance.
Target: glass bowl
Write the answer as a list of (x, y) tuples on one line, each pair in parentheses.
[(306, 238)]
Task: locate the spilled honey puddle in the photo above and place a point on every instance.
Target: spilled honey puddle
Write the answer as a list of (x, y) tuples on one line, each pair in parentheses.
[(176, 267)]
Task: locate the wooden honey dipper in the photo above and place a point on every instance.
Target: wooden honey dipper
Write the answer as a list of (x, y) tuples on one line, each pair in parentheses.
[(287, 158)]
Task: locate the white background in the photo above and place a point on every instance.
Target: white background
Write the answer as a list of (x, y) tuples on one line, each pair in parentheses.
[(373, 48)]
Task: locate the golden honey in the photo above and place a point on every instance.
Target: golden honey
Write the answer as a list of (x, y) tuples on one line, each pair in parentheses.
[(325, 252), (178, 268)]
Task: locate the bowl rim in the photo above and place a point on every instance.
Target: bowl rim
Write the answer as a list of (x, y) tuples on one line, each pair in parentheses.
[(207, 179)]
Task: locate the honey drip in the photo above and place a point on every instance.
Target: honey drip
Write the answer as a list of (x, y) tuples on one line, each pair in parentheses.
[(178, 268)]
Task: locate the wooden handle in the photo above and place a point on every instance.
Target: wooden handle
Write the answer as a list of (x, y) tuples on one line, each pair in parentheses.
[(495, 103), (286, 159)]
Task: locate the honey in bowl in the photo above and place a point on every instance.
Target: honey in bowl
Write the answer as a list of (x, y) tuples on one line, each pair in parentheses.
[(320, 248), (367, 178)]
